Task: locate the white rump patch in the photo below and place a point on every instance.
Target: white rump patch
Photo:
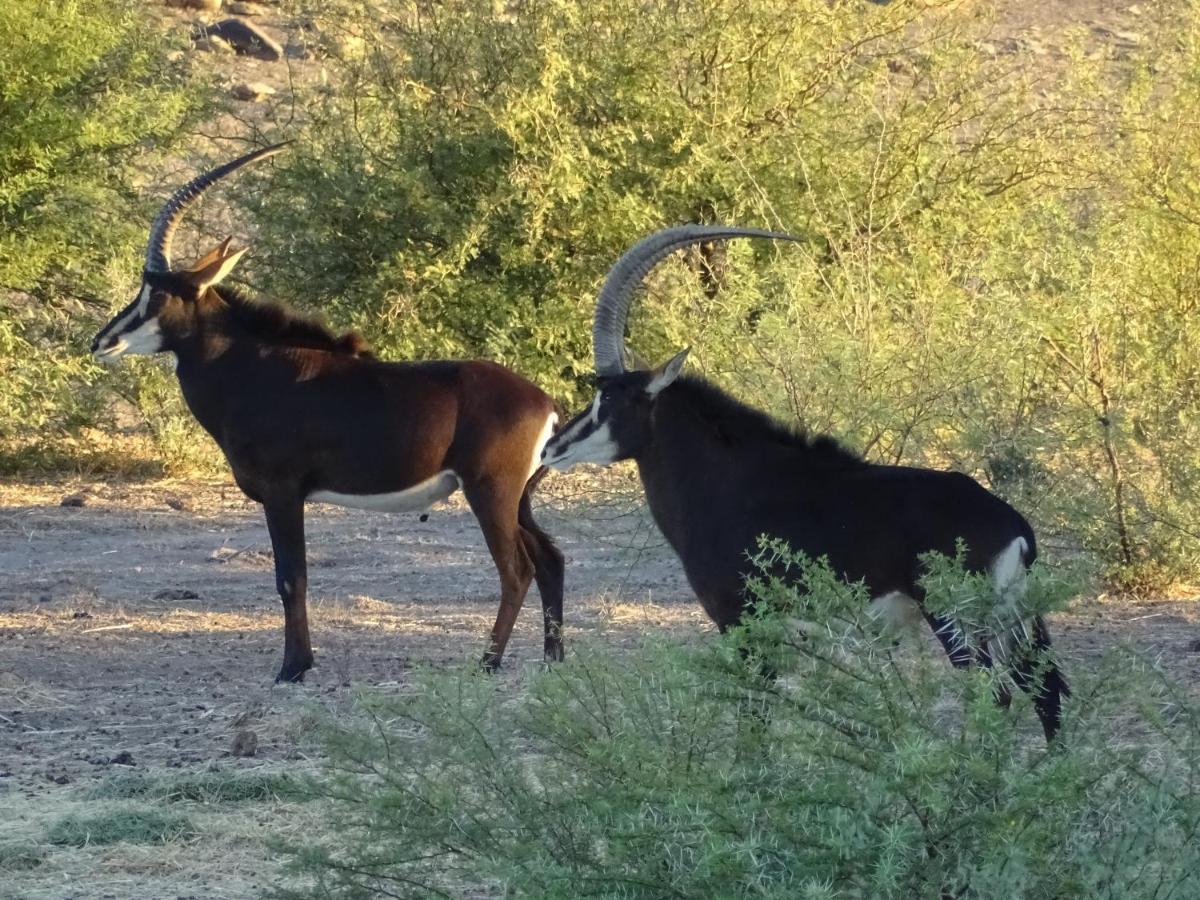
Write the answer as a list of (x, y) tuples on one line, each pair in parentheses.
[(416, 499), (1008, 568), (1008, 577), (543, 439), (896, 610)]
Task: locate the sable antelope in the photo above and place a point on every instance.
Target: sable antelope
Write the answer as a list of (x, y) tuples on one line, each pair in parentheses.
[(718, 473), (302, 414)]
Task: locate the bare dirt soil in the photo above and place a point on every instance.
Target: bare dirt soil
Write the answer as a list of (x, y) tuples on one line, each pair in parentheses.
[(140, 632)]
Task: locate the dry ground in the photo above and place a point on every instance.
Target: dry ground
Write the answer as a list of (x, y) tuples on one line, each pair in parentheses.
[(128, 626)]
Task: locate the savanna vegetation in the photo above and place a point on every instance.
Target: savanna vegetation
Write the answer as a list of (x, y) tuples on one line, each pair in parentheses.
[(91, 100), (998, 268), (863, 771), (998, 271)]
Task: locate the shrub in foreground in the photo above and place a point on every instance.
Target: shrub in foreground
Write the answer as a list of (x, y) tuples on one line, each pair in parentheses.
[(864, 770)]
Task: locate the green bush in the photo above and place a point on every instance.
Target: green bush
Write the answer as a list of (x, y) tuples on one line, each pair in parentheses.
[(91, 98), (863, 771), (201, 787), (996, 269), (996, 266)]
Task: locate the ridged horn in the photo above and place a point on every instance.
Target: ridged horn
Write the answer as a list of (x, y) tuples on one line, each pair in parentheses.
[(158, 249), (612, 306)]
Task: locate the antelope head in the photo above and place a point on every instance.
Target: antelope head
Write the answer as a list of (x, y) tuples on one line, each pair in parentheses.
[(616, 425), (164, 306)]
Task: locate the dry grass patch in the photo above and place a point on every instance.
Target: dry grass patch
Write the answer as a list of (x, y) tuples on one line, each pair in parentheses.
[(220, 786)]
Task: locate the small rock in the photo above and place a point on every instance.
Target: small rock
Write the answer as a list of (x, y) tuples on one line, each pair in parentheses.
[(177, 503), (1194, 646), (245, 37), (213, 44), (61, 778), (252, 93), (245, 743), (74, 500), (80, 614), (176, 594), (124, 758)]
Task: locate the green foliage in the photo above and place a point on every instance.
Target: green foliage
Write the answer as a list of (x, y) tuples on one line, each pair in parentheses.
[(133, 826), (996, 273), (87, 88), (201, 787), (863, 771), (997, 266)]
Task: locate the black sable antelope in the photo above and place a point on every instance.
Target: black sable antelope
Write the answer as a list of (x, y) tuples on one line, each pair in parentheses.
[(718, 473), (303, 414)]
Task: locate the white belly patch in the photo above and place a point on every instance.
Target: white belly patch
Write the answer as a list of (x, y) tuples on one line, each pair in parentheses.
[(417, 498), (895, 610)]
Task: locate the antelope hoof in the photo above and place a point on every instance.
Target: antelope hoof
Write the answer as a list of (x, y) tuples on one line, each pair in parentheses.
[(553, 652), (490, 662), (293, 672)]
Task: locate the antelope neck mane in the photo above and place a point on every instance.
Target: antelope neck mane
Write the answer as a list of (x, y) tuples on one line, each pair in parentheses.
[(739, 424), (274, 323)]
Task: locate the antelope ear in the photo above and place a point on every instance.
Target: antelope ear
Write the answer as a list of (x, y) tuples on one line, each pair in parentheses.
[(666, 373), (211, 256), (634, 361), (215, 270)]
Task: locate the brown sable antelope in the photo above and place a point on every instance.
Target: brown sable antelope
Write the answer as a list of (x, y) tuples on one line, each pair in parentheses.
[(718, 473), (302, 414)]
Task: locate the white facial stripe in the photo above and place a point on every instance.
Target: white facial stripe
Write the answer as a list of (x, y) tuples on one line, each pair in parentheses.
[(131, 332), (582, 425), (122, 322), (597, 447), (143, 340)]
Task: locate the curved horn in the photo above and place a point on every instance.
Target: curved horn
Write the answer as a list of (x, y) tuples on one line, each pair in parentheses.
[(158, 249), (612, 307)]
